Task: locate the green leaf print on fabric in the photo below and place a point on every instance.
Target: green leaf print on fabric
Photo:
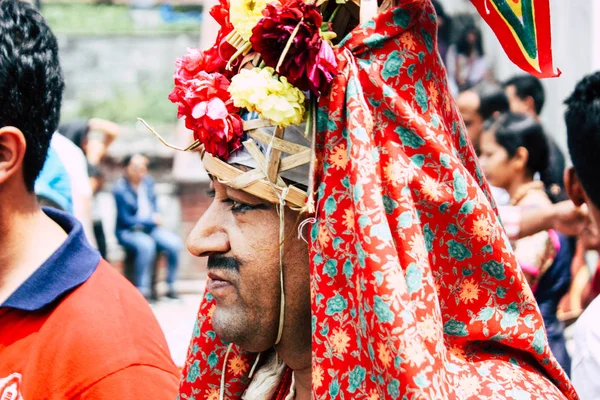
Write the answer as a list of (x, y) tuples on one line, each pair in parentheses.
[(455, 328), (445, 160), (375, 41), (382, 310), (330, 268), (458, 251), (348, 269), (467, 208), (428, 40), (539, 341), (401, 17), (428, 236), (418, 160), (336, 305), (391, 67), (409, 138), (405, 220), (393, 389), (194, 372), (460, 187), (356, 378), (414, 278), (389, 204), (510, 316), (334, 388), (485, 314), (212, 360), (197, 329), (495, 269), (421, 96)]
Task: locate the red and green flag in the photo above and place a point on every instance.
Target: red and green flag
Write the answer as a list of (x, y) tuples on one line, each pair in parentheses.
[(523, 28)]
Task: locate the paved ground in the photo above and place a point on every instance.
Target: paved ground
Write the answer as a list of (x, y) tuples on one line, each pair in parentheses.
[(177, 317)]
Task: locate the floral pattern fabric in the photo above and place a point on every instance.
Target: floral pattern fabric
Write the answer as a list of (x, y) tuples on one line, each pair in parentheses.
[(415, 290)]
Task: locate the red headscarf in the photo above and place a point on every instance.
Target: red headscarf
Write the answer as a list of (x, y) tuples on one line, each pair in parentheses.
[(415, 289)]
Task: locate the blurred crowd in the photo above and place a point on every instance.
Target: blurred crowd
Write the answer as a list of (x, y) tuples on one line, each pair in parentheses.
[(524, 166)]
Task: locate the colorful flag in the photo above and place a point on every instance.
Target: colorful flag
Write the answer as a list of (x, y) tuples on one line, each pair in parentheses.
[(523, 28)]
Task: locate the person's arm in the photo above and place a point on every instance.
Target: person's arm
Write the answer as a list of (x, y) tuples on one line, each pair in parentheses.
[(97, 145), (564, 217), (129, 219), (135, 382)]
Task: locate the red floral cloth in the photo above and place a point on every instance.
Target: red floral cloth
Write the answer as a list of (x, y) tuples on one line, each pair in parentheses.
[(415, 290)]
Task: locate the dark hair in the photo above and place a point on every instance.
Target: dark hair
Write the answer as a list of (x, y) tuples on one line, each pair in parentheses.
[(444, 31), (519, 130), (528, 85), (31, 81), (492, 99), (464, 47), (583, 133), (127, 160)]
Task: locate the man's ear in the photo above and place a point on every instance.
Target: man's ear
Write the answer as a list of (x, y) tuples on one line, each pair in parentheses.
[(530, 102), (12, 152), (573, 186)]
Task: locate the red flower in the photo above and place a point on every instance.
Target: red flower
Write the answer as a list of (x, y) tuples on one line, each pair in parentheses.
[(310, 63), (209, 112)]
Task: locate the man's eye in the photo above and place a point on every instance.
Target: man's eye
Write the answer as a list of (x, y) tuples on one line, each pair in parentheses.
[(240, 207)]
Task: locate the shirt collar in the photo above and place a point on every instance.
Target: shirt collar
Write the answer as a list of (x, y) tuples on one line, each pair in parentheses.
[(68, 267)]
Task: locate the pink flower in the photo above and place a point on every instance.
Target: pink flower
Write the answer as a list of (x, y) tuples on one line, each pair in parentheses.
[(310, 63), (209, 111)]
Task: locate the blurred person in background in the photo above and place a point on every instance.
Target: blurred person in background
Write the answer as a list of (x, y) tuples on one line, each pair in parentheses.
[(466, 63), (476, 106), (582, 183), (70, 326), (526, 95), (138, 227), (444, 32), (93, 136), (513, 150)]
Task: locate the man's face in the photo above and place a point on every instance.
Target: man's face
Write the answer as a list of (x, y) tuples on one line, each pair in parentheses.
[(137, 169), (518, 105), (468, 105), (239, 233)]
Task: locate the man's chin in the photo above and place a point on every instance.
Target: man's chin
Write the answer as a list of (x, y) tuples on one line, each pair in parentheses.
[(231, 328)]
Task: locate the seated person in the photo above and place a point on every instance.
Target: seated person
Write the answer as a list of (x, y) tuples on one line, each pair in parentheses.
[(139, 228)]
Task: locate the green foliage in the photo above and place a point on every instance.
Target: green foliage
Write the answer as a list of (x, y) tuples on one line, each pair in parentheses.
[(105, 19), (149, 102)]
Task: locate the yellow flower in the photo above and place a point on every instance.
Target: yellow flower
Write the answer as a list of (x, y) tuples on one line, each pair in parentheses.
[(469, 291), (339, 157), (431, 188), (317, 377), (340, 341), (348, 218), (482, 228), (323, 236), (213, 395), (270, 95), (470, 385), (245, 14), (373, 395), (238, 366), (384, 354), (408, 40), (415, 353), (210, 313)]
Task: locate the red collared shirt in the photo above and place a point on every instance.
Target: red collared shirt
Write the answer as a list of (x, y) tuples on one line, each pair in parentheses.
[(76, 329)]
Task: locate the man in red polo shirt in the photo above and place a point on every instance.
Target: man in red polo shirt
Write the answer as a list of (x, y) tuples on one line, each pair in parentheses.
[(70, 326)]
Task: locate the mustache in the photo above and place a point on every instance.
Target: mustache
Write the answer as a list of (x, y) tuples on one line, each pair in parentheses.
[(222, 262)]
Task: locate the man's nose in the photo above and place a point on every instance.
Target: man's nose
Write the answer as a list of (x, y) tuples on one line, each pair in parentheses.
[(208, 236)]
